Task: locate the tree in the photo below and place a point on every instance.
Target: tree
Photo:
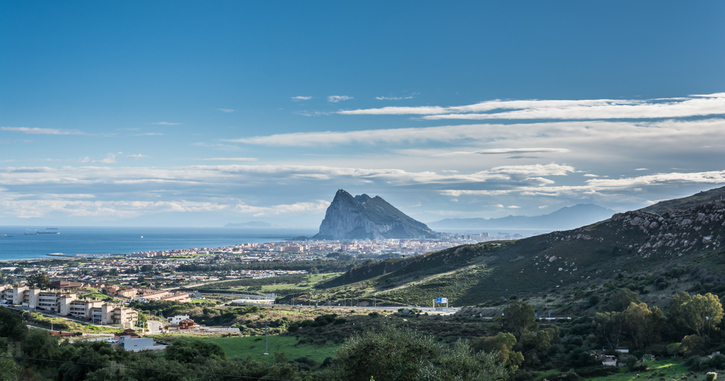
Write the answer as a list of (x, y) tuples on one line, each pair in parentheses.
[(503, 343), (40, 344), (519, 317), (643, 324), (39, 280), (610, 327), (404, 355), (11, 325), (700, 314), (193, 351), (620, 299)]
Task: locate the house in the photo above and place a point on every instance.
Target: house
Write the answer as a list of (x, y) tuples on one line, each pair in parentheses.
[(609, 360), (136, 344), (177, 319), (188, 324)]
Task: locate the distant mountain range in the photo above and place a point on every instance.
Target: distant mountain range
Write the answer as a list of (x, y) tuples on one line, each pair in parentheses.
[(565, 218), (365, 217)]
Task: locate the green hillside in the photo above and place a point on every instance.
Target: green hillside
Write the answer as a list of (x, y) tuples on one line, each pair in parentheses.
[(679, 249)]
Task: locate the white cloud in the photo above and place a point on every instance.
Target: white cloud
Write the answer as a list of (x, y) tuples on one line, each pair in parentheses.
[(393, 98), (300, 207), (225, 109), (699, 105), (506, 151), (109, 159), (229, 159), (600, 186), (338, 98), (137, 156), (166, 124), (116, 209), (312, 113), (301, 98), (41, 131), (565, 138)]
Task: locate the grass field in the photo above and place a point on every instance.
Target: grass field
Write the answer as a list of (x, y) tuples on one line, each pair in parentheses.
[(667, 370), (242, 347)]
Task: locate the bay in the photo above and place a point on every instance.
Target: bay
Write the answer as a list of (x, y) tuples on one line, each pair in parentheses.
[(22, 242)]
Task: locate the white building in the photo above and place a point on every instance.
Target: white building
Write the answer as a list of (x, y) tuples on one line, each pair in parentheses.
[(176, 319)]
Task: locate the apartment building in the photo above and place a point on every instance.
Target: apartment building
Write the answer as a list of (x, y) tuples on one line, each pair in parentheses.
[(66, 303)]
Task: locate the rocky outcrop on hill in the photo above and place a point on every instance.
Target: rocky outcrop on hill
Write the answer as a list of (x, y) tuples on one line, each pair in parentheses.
[(363, 217)]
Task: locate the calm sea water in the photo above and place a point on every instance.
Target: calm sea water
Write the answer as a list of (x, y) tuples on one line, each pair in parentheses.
[(123, 240)]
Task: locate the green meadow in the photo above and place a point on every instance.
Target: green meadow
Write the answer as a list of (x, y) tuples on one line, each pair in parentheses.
[(243, 347)]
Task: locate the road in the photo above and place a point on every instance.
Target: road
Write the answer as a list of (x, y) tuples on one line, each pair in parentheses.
[(155, 326)]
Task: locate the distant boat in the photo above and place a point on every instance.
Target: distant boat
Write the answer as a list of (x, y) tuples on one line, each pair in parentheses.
[(5, 235), (56, 254), (47, 232)]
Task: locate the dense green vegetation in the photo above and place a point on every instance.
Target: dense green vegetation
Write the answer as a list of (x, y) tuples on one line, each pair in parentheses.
[(324, 345)]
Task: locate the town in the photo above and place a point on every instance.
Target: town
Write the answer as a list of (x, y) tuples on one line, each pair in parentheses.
[(72, 286)]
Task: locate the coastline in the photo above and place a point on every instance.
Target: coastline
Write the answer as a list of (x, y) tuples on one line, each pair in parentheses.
[(104, 241)]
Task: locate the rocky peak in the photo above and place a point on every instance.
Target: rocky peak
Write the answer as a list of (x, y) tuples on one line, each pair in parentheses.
[(363, 217)]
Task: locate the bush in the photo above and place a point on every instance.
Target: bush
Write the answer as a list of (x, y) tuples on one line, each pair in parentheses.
[(403, 355), (597, 371), (638, 367), (716, 362)]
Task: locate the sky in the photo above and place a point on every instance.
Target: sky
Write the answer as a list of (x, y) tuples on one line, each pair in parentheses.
[(190, 113)]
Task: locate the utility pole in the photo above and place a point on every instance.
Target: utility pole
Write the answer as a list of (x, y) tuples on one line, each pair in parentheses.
[(266, 343)]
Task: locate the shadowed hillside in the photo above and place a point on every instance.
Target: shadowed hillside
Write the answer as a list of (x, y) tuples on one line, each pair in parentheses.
[(638, 247)]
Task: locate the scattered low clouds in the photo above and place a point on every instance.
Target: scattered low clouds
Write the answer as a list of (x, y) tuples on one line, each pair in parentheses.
[(41, 131), (150, 134), (225, 109), (338, 98), (301, 98), (109, 159), (137, 156)]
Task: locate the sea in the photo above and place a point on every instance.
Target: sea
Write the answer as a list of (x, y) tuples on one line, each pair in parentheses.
[(22, 242)]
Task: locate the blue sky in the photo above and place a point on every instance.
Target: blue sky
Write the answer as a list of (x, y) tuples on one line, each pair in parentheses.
[(198, 114)]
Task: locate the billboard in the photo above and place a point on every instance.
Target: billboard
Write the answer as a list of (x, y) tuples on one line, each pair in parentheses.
[(441, 300)]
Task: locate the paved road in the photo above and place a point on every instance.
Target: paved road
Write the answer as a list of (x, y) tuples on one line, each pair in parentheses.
[(155, 326)]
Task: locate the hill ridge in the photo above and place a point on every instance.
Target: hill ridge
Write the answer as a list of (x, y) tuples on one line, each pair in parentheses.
[(638, 247)]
